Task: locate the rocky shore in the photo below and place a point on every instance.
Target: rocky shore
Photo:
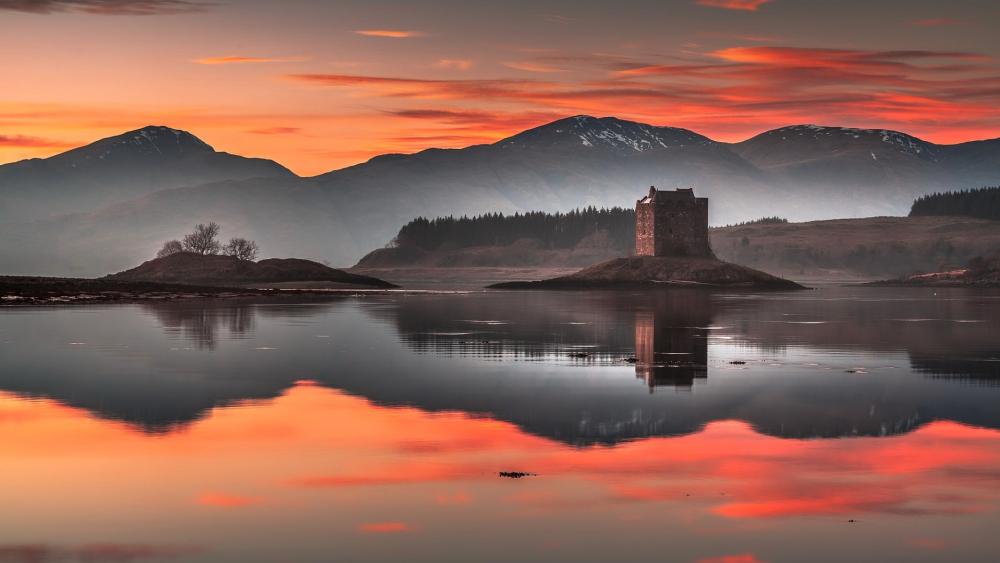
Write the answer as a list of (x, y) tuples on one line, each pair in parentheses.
[(31, 290)]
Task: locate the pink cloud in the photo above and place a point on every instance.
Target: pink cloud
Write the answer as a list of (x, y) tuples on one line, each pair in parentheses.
[(745, 5), (742, 558), (32, 142), (454, 64), (224, 500), (242, 59), (390, 33)]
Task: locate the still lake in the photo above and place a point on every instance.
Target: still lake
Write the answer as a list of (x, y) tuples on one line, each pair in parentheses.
[(838, 424)]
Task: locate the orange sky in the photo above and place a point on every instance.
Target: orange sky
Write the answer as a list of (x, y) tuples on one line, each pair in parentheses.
[(318, 86)]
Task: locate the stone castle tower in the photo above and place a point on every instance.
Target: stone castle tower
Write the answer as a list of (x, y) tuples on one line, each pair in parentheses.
[(672, 224)]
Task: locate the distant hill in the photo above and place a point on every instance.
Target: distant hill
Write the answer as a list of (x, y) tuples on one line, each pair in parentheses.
[(801, 173), (874, 163), (119, 168), (873, 247), (218, 270), (983, 203)]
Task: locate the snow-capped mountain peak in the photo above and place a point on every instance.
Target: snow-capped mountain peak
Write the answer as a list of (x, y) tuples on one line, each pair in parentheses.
[(871, 138), (606, 133), (152, 140)]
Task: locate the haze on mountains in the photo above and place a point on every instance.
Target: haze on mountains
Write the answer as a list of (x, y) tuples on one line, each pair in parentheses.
[(118, 168), (109, 205)]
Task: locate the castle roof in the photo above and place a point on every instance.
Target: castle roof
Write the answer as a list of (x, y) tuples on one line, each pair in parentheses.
[(679, 194)]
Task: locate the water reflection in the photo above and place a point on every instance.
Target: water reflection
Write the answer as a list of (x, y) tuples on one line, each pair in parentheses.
[(559, 365), (200, 325), (373, 429), (670, 350), (981, 370), (316, 474)]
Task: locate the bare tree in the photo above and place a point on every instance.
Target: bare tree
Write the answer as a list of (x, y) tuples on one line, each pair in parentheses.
[(170, 247), (241, 248), (204, 239)]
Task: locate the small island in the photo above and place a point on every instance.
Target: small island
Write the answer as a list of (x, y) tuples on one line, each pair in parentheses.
[(191, 268), (197, 267), (672, 249)]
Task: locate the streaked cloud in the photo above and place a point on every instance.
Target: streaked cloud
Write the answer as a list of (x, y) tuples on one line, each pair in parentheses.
[(107, 7), (32, 142), (241, 59), (732, 92), (745, 5), (276, 130), (810, 57), (531, 66), (390, 33), (419, 88), (413, 143), (480, 119), (454, 64), (226, 500)]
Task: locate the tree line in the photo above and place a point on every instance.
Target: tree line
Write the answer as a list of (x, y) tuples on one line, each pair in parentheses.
[(205, 240), (982, 203), (773, 220), (553, 230)]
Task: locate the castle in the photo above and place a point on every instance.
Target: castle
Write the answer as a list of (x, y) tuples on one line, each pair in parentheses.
[(672, 224)]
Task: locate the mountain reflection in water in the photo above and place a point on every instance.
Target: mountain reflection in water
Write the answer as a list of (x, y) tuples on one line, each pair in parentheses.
[(816, 364), (673, 425)]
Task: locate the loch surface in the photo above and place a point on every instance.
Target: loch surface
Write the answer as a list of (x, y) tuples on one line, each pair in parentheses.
[(837, 424)]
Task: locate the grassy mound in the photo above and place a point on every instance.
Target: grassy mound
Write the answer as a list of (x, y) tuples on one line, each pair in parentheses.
[(215, 270)]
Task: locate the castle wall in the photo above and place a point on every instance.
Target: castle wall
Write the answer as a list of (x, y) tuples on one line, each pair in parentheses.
[(681, 228), (672, 224), (644, 236)]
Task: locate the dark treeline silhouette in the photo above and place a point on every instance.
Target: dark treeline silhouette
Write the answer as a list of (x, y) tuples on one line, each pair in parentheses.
[(982, 203), (773, 220), (553, 230)]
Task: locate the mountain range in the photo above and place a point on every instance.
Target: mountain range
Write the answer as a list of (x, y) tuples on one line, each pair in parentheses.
[(110, 205)]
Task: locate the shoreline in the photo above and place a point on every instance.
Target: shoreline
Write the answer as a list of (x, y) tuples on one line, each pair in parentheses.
[(19, 291)]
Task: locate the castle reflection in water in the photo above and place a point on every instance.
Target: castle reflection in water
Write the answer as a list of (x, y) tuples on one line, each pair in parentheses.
[(669, 352)]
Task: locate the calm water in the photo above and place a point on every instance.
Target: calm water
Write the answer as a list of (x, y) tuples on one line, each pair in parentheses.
[(841, 424)]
